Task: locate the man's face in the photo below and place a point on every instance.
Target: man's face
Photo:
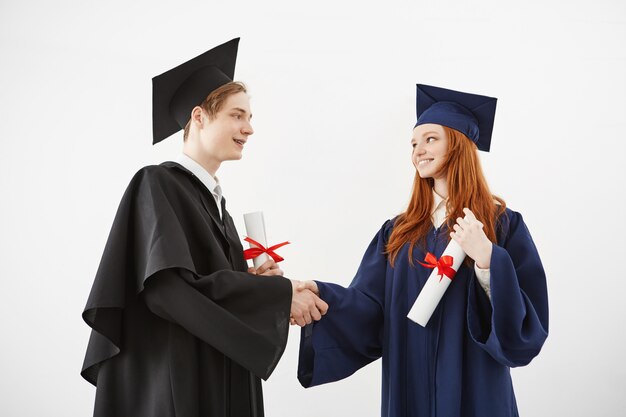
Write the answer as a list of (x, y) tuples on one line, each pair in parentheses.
[(224, 137)]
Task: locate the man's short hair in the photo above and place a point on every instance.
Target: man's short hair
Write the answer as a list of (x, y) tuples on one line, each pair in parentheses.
[(215, 100)]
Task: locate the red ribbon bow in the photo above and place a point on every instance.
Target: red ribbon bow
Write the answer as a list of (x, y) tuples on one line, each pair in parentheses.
[(252, 253), (443, 265)]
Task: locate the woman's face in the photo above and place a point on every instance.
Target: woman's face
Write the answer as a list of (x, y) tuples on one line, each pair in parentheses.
[(430, 146)]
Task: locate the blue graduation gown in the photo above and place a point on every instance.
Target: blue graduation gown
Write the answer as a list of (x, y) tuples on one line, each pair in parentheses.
[(459, 364)]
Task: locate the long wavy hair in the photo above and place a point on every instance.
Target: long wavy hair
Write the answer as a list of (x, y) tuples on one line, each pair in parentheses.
[(467, 187)]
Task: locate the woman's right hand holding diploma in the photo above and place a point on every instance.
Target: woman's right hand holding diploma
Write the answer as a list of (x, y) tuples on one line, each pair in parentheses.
[(469, 234), (306, 305)]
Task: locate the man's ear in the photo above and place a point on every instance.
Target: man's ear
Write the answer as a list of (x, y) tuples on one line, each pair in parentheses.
[(196, 116)]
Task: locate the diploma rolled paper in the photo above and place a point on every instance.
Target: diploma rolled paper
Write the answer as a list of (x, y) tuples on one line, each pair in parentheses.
[(255, 228), (437, 284)]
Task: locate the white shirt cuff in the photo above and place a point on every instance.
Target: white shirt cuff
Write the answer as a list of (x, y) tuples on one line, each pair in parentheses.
[(484, 279)]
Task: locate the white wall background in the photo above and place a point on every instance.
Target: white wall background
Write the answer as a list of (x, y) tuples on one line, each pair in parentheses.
[(332, 87)]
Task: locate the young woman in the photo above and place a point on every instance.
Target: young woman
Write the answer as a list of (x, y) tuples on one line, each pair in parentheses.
[(494, 314)]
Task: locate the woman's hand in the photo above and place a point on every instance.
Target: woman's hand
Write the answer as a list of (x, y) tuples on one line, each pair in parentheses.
[(469, 234)]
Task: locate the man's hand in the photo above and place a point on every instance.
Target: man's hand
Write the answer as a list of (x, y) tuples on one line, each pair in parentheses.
[(309, 285), (306, 306), (269, 267)]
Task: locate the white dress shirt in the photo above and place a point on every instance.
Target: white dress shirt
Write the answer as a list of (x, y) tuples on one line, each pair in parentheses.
[(439, 215), (211, 183)]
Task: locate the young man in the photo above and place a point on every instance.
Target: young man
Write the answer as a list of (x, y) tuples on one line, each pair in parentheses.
[(180, 328)]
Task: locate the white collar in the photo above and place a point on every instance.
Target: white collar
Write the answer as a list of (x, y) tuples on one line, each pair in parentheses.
[(437, 200), (438, 212), (210, 182)]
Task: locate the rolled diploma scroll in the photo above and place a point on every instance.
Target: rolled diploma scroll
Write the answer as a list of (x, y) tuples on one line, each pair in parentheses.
[(435, 287), (255, 229)]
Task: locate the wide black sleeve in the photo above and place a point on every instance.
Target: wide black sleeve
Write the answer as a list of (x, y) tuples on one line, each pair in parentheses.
[(237, 313), (163, 236)]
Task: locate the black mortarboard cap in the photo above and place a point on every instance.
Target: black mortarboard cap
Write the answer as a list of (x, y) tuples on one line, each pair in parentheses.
[(470, 114), (176, 92)]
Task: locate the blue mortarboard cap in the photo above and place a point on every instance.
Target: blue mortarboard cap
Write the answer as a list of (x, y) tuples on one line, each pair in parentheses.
[(470, 114), (176, 92)]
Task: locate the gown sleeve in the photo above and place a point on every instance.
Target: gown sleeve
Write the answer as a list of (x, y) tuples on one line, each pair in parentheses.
[(349, 336), (514, 325), (160, 239), (240, 315)]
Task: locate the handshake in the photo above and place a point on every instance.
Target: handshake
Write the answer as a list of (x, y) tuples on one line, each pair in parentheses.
[(306, 305)]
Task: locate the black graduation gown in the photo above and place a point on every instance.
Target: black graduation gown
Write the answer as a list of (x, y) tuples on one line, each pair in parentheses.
[(178, 327)]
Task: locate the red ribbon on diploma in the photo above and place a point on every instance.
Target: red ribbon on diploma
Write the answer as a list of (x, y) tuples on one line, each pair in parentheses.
[(443, 265), (252, 253)]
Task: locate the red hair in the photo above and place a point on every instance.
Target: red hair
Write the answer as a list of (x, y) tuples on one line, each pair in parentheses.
[(467, 187)]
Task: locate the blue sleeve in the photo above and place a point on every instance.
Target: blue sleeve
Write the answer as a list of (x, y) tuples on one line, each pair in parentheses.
[(349, 336), (514, 325)]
